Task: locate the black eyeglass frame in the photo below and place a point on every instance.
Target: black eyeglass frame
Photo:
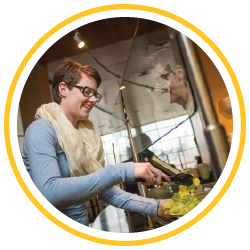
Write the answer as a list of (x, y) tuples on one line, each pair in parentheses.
[(83, 89), (165, 76)]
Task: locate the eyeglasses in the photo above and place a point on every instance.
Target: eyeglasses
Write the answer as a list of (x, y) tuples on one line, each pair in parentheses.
[(165, 76), (88, 92)]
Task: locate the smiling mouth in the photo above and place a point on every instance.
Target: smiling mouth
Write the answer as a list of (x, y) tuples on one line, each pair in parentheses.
[(86, 106)]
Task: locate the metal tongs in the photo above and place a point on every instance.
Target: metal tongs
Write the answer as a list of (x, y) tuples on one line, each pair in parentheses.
[(185, 179)]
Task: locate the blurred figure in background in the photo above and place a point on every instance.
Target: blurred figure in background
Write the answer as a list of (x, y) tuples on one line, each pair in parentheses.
[(169, 83)]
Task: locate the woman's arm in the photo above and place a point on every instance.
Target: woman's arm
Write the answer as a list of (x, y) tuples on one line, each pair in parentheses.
[(40, 146), (40, 157), (121, 199)]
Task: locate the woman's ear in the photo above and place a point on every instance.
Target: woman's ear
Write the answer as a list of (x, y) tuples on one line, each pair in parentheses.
[(180, 72), (62, 87)]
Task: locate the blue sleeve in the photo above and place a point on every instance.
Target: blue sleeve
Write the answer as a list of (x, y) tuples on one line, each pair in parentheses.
[(40, 148), (121, 199)]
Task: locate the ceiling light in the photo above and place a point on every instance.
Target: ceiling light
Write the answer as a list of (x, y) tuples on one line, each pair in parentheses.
[(78, 39), (122, 86), (81, 44)]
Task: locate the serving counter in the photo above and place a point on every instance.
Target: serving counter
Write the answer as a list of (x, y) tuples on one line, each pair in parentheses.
[(113, 219)]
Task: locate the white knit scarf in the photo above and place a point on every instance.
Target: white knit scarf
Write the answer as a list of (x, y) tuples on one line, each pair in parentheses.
[(82, 146)]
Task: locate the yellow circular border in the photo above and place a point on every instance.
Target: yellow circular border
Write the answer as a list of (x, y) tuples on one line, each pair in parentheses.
[(124, 7)]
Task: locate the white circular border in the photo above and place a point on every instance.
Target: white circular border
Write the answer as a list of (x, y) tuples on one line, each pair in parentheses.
[(124, 13)]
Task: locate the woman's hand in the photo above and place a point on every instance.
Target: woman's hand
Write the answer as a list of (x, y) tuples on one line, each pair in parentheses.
[(159, 210), (151, 175)]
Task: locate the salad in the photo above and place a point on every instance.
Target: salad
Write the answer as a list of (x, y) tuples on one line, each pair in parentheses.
[(183, 201)]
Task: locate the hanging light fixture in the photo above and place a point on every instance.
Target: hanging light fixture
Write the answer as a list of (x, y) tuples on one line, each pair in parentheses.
[(78, 39), (122, 87)]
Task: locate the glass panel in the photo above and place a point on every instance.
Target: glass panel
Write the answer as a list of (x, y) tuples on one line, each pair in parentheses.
[(122, 148), (191, 164), (190, 154), (156, 146), (165, 124), (182, 157), (171, 145), (174, 159), (180, 119), (117, 149), (156, 84), (158, 153), (116, 135), (187, 142), (110, 159), (148, 127), (116, 122), (142, 141), (124, 133), (123, 158), (172, 135), (156, 98), (133, 132), (185, 129), (107, 138), (152, 135)]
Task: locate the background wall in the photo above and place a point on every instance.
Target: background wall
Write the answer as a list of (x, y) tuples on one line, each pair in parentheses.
[(35, 93), (216, 86)]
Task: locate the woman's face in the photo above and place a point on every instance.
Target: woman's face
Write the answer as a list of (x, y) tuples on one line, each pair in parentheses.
[(75, 105)]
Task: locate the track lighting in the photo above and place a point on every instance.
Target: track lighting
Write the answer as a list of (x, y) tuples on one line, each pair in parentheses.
[(78, 39)]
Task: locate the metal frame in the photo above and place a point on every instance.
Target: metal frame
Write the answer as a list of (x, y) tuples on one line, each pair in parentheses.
[(214, 133)]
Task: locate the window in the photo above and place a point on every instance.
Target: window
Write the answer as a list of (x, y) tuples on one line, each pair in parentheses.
[(176, 148)]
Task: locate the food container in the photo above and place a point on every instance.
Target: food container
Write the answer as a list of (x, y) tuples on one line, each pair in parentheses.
[(164, 191), (203, 170), (194, 172)]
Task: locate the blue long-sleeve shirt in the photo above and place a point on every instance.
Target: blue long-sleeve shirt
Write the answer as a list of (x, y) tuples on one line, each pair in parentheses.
[(48, 167)]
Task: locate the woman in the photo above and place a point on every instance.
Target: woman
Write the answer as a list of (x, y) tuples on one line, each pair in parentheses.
[(64, 156)]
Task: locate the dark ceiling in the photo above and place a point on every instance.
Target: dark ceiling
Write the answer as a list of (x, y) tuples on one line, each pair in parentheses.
[(98, 34)]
